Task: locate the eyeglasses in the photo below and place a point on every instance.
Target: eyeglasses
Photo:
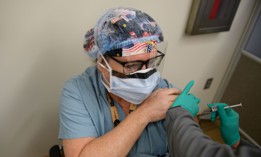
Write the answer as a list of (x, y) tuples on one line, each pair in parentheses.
[(133, 66)]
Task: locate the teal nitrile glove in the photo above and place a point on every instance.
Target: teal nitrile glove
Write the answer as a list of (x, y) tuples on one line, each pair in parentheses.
[(229, 122), (187, 101), (214, 114)]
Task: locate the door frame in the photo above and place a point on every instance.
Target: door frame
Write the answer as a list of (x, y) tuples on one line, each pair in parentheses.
[(238, 52)]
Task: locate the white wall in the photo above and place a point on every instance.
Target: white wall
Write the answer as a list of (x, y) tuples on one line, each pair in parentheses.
[(41, 47)]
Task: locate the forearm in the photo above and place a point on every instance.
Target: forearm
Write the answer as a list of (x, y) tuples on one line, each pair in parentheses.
[(119, 141), (187, 139)]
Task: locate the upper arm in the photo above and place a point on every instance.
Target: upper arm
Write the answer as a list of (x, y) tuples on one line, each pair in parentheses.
[(75, 118), (73, 147), (165, 84)]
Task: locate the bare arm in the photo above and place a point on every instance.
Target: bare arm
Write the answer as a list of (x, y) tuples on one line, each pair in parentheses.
[(119, 141), (110, 144)]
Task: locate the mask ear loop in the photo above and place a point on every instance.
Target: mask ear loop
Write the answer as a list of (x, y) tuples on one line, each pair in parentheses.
[(109, 70), (105, 79)]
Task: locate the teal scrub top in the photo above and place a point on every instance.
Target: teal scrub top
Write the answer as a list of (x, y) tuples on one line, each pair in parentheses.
[(85, 112)]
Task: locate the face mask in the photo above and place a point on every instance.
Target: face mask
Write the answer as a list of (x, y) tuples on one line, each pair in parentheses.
[(134, 89)]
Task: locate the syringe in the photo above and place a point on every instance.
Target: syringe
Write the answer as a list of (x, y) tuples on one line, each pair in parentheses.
[(213, 109)]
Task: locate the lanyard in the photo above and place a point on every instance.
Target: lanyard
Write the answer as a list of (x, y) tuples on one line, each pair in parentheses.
[(114, 111)]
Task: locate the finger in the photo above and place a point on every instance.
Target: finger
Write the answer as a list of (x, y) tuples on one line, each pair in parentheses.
[(230, 112), (214, 116), (211, 105), (221, 111), (173, 91), (227, 110), (172, 97), (197, 100), (188, 87), (224, 104), (233, 113), (171, 101)]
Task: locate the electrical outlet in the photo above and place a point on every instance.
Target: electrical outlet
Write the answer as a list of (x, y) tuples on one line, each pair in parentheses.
[(208, 83)]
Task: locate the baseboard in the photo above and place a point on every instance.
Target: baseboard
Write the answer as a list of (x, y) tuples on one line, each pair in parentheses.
[(246, 136)]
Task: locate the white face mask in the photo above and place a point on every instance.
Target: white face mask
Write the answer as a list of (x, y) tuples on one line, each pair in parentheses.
[(134, 90)]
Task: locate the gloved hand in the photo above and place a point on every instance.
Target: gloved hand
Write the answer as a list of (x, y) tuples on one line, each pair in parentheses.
[(214, 114), (229, 122), (187, 101)]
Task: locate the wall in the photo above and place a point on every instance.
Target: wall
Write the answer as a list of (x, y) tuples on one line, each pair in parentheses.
[(41, 47), (238, 91)]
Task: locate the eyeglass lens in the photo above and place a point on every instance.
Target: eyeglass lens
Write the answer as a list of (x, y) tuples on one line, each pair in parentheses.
[(131, 67)]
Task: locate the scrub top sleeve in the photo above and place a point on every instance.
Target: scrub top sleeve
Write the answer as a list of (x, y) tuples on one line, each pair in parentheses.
[(75, 120), (165, 84)]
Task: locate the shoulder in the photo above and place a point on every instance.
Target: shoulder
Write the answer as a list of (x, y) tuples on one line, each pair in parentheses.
[(164, 83), (88, 78), (84, 87), (83, 105)]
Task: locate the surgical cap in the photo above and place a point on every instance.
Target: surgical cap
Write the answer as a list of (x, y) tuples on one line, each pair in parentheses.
[(119, 28)]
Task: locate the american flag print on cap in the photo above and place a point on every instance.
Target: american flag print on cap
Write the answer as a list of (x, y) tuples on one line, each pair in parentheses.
[(122, 28), (139, 48)]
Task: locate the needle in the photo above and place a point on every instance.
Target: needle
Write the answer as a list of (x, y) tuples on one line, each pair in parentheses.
[(215, 108)]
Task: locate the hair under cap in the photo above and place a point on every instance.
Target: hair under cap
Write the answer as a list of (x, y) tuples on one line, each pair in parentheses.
[(118, 28)]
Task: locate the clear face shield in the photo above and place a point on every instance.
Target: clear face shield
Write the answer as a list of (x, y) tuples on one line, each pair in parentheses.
[(139, 56), (133, 76)]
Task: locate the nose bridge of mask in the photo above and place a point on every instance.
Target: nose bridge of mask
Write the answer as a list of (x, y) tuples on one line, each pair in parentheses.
[(141, 71), (139, 83)]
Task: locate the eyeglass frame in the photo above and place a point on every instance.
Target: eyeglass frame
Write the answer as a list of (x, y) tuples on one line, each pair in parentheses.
[(143, 62)]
